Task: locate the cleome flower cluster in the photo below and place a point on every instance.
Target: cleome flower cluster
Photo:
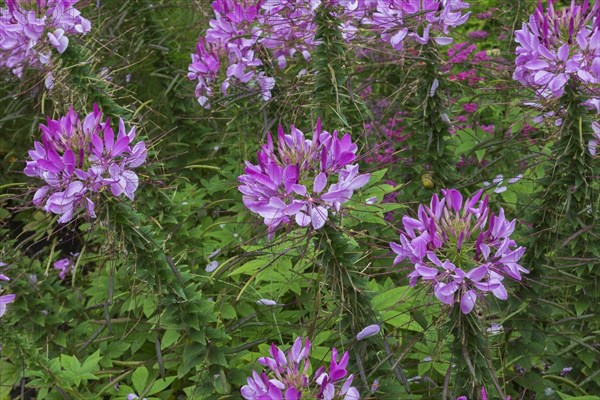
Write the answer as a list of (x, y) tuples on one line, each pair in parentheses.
[(30, 30), (418, 20), (303, 180), (77, 159), (252, 36), (460, 249), (289, 377), (240, 34), (557, 47)]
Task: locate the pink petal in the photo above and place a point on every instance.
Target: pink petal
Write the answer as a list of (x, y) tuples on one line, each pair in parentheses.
[(468, 301)]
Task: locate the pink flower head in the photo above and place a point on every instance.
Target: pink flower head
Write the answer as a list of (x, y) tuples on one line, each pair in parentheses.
[(288, 377), (77, 159), (303, 180), (29, 30), (460, 249), (560, 46), (241, 34), (419, 20)]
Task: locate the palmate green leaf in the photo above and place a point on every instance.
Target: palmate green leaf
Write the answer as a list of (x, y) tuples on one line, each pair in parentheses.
[(160, 384), (384, 301), (401, 319), (376, 177), (510, 197), (193, 356), (139, 379), (90, 364), (70, 363), (374, 217), (253, 266), (480, 154)]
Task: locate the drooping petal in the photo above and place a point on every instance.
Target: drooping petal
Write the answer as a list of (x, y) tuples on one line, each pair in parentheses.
[(467, 302)]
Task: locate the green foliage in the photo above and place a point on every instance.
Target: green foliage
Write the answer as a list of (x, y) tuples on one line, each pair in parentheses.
[(140, 314)]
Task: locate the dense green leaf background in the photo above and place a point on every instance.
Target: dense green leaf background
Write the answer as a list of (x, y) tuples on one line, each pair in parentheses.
[(141, 314)]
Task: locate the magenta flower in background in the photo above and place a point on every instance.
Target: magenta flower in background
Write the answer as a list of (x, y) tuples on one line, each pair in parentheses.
[(470, 107), (288, 377), (304, 180), (558, 47), (477, 35), (460, 249), (488, 128), (489, 14), (77, 159), (29, 30)]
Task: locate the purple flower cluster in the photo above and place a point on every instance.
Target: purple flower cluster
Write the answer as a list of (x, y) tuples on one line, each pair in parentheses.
[(289, 377), (244, 32), (477, 35), (7, 298), (279, 187), (78, 158), (455, 250), (558, 47), (239, 35), (418, 20), (29, 30)]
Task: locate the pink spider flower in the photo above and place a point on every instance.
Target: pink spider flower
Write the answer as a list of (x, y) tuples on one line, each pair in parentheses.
[(77, 159), (418, 20), (288, 377), (560, 46), (303, 180), (460, 249), (244, 32), (29, 30)]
